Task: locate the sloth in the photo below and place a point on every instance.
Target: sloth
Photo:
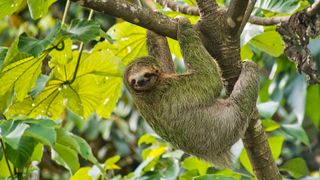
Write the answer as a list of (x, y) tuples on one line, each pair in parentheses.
[(186, 109)]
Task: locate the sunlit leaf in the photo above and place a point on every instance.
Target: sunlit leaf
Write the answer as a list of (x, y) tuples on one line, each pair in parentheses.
[(21, 76), (4, 170), (128, 44), (270, 125), (9, 6), (192, 163), (39, 8), (82, 174), (110, 163), (62, 54), (37, 153), (147, 139), (246, 52), (269, 42)]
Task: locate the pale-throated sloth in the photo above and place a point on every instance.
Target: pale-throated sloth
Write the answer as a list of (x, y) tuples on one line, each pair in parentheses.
[(185, 109)]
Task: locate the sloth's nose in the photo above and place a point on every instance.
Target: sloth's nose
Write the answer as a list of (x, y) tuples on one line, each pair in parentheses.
[(141, 82)]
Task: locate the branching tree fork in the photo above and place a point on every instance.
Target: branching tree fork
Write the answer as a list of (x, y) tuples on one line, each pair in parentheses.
[(220, 31)]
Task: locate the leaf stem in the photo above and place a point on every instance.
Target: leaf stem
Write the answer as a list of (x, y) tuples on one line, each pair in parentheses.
[(80, 53), (65, 13)]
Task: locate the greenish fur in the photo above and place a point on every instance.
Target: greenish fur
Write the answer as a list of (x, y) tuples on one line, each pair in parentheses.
[(186, 110)]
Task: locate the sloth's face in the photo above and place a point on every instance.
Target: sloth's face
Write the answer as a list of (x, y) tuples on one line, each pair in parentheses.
[(142, 77)]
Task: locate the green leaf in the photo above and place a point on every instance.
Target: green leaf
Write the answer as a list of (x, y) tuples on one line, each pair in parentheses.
[(45, 135), (214, 177), (250, 31), (83, 30), (127, 44), (246, 52), (296, 131), (66, 157), (3, 53), (269, 42), (20, 72), (268, 109), (192, 163), (270, 125), (312, 104), (37, 153), (112, 89), (278, 6), (62, 54), (75, 143), (9, 6), (34, 46), (296, 167), (15, 134), (22, 154), (4, 170), (147, 139), (39, 8), (177, 154)]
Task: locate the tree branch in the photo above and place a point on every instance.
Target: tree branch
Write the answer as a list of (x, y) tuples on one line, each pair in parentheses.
[(235, 14), (132, 13), (314, 9), (246, 16), (182, 8)]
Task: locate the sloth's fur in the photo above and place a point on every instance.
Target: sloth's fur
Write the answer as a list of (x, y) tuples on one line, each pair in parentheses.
[(186, 109)]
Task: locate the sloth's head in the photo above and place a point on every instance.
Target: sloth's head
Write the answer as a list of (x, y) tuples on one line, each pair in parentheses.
[(142, 74)]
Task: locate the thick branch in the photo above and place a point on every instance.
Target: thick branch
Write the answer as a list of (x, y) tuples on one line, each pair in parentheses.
[(207, 7), (258, 150), (132, 13), (235, 14)]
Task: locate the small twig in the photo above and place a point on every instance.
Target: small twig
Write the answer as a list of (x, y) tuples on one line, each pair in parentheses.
[(66, 8), (80, 54), (268, 21), (191, 10), (246, 16), (314, 8), (182, 8)]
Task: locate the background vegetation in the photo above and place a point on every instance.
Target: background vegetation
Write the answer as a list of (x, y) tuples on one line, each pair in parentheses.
[(65, 114)]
